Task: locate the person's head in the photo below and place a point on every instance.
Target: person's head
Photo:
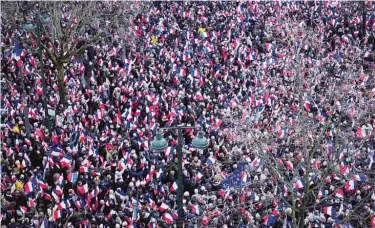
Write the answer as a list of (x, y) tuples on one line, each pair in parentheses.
[(282, 215)]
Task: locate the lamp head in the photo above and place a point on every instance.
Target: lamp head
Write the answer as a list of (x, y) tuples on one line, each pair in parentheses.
[(44, 18), (159, 143), (200, 142), (28, 26)]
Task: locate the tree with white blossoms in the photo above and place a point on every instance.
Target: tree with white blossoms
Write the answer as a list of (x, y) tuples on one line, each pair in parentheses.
[(310, 128)]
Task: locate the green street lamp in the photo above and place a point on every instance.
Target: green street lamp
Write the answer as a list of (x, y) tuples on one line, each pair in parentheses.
[(28, 27), (160, 144), (44, 20), (122, 18), (200, 142)]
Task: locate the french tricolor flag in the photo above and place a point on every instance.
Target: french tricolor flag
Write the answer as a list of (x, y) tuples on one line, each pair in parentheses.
[(344, 169), (282, 133), (72, 177), (199, 176), (42, 184), (307, 105), (92, 79), (174, 187), (350, 186), (367, 54), (285, 191), (269, 220), (84, 169), (186, 56), (82, 189), (329, 211), (339, 193), (205, 220), (224, 193), (31, 203), (164, 206), (58, 190), (218, 123), (13, 189), (182, 72), (39, 90), (28, 187), (44, 224), (299, 185), (332, 22), (121, 165), (130, 163), (205, 34), (63, 205), (199, 96), (79, 204), (215, 34), (240, 19), (332, 132), (255, 163), (32, 114), (372, 222), (360, 178), (56, 215), (172, 31), (196, 73), (320, 194), (195, 209), (151, 225), (148, 178), (361, 133), (121, 194), (223, 174), (211, 160), (345, 39), (111, 214), (175, 214), (9, 152), (210, 48), (8, 104), (244, 176), (65, 161), (289, 165), (55, 196), (342, 156), (268, 47), (23, 209), (168, 151), (55, 153), (28, 142), (47, 196), (66, 79), (168, 218), (19, 53), (81, 68), (247, 158)]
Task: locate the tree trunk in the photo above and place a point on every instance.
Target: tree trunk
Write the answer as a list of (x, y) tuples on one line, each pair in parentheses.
[(62, 91), (301, 218), (364, 16)]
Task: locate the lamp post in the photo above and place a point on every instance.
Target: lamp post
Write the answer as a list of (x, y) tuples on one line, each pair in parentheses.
[(29, 27), (160, 144)]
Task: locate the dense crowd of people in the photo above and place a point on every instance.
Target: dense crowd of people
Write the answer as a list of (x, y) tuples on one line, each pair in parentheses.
[(193, 63)]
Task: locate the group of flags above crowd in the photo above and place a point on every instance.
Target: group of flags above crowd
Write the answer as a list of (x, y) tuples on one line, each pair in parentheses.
[(192, 62)]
